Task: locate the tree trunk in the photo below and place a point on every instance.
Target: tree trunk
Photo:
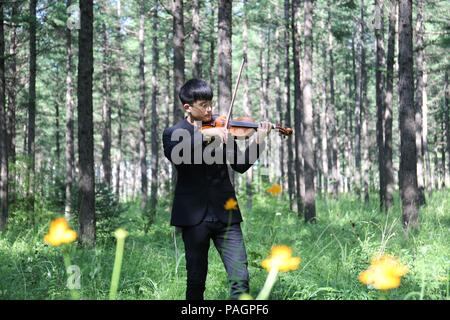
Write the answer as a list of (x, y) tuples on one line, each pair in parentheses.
[(279, 112), (134, 175), (426, 153), (358, 107), (178, 57), (317, 146), (266, 85), (224, 55), (366, 146), (323, 132), (268, 77), (119, 140), (287, 119), (85, 124), (168, 185), (178, 66), (298, 108), (436, 157), (106, 106), (57, 132), (442, 169), (119, 100), (245, 81), (348, 169), (25, 135), (308, 155), (419, 100), (196, 64), (408, 168), (32, 110), (69, 151), (212, 45), (380, 96), (262, 82), (447, 119), (333, 146), (246, 102), (3, 131), (155, 119), (125, 187), (224, 60), (12, 95), (264, 101), (142, 112), (387, 117), (364, 110)]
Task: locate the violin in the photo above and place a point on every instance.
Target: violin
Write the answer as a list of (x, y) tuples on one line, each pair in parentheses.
[(242, 127)]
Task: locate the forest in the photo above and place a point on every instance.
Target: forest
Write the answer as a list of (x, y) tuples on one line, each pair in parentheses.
[(354, 205)]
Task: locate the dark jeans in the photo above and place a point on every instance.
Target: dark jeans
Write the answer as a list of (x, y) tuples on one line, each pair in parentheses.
[(229, 243)]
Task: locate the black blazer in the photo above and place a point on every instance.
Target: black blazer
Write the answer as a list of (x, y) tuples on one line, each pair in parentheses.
[(201, 185)]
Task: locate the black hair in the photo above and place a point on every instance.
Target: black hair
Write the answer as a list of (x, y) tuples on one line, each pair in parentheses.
[(195, 89)]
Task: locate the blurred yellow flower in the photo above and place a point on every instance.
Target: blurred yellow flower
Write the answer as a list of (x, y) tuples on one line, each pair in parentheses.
[(59, 233), (384, 273), (231, 204), (245, 296), (275, 189), (281, 258), (121, 233)]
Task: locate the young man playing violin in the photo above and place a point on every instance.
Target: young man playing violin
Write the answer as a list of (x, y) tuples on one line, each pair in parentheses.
[(203, 188)]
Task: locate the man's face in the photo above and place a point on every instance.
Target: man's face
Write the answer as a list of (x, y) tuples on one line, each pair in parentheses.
[(200, 110)]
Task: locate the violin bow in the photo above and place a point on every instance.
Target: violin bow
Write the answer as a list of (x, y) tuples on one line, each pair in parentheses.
[(227, 122)]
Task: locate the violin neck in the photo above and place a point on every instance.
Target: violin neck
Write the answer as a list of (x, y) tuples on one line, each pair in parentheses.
[(245, 124)]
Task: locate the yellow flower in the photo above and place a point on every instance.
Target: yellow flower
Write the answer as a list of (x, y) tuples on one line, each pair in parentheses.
[(59, 233), (245, 296), (120, 234), (384, 273), (231, 204), (275, 189), (281, 258)]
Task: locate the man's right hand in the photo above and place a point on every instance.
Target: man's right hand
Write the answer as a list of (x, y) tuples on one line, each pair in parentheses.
[(218, 133)]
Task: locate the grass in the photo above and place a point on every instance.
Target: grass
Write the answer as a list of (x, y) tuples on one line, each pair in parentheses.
[(334, 251)]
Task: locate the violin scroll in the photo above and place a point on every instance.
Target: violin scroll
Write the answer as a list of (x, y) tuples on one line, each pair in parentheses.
[(284, 131)]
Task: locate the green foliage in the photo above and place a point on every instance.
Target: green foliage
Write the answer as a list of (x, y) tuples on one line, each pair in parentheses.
[(334, 251), (49, 199), (45, 189), (108, 210)]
